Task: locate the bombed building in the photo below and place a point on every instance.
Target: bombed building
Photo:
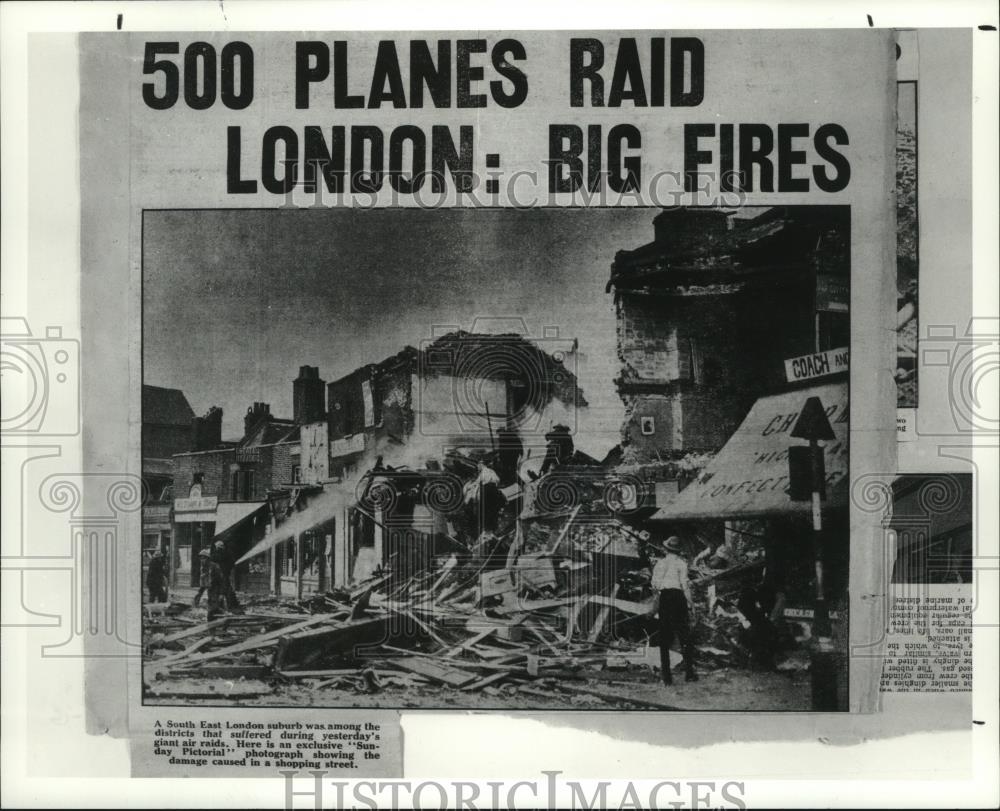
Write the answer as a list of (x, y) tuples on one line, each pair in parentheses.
[(709, 310), (458, 389), (421, 419), (431, 522)]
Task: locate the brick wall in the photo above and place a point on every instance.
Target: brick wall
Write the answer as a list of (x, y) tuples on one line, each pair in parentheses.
[(696, 364), (276, 466), (272, 466), (213, 465)]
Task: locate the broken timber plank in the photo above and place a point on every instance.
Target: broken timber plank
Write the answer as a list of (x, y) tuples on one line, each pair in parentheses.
[(564, 530), (628, 606), (196, 629), (427, 628), (445, 571), (478, 685), (318, 674), (323, 684), (572, 616), (187, 688), (472, 640), (255, 642), (183, 654), (228, 672), (445, 675), (602, 618), (535, 605), (543, 640), (307, 646)]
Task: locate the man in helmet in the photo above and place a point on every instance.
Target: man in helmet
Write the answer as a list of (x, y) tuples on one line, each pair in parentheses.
[(670, 579), (212, 581), (220, 554)]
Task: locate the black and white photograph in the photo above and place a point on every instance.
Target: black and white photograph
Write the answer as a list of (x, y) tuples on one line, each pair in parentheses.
[(558, 459), (498, 405)]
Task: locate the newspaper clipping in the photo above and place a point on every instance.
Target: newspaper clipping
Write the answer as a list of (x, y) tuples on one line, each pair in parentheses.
[(568, 375), (547, 411)]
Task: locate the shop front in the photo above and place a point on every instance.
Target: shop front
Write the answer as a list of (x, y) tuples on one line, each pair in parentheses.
[(240, 525), (194, 528)]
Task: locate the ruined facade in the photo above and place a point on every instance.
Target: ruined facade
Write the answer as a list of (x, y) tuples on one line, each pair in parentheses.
[(709, 310), (458, 389)]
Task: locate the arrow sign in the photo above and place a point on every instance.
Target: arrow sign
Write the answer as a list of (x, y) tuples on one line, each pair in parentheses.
[(813, 423)]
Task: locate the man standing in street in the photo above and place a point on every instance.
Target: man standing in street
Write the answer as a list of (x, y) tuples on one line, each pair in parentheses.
[(670, 578), (156, 578), (213, 582), (220, 554), (222, 559)]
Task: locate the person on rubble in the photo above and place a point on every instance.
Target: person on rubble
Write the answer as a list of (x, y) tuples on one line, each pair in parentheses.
[(202, 578), (212, 581), (670, 579), (559, 448), (761, 637), (220, 554), (484, 499), (220, 557), (156, 578), (510, 451)]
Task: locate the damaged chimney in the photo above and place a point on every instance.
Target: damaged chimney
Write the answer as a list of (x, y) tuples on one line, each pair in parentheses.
[(308, 396), (206, 431), (256, 413), (680, 230)]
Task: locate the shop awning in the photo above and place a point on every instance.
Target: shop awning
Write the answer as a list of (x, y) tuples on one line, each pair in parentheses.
[(748, 478), (230, 515)]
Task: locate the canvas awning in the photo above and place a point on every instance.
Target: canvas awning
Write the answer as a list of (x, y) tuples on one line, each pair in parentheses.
[(230, 515), (748, 478)]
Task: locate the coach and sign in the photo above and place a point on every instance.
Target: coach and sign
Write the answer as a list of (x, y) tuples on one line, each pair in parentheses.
[(818, 364)]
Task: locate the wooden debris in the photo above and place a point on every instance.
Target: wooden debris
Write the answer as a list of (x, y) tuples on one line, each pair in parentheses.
[(451, 676), (307, 646), (195, 630), (184, 653), (479, 685), (541, 626), (628, 606), (316, 674), (258, 672), (468, 643), (254, 643), (192, 689), (602, 617)]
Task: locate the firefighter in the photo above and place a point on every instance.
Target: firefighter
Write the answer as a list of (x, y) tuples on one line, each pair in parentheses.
[(212, 581), (221, 556)]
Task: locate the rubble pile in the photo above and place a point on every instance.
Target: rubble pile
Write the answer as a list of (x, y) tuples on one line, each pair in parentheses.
[(561, 610)]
